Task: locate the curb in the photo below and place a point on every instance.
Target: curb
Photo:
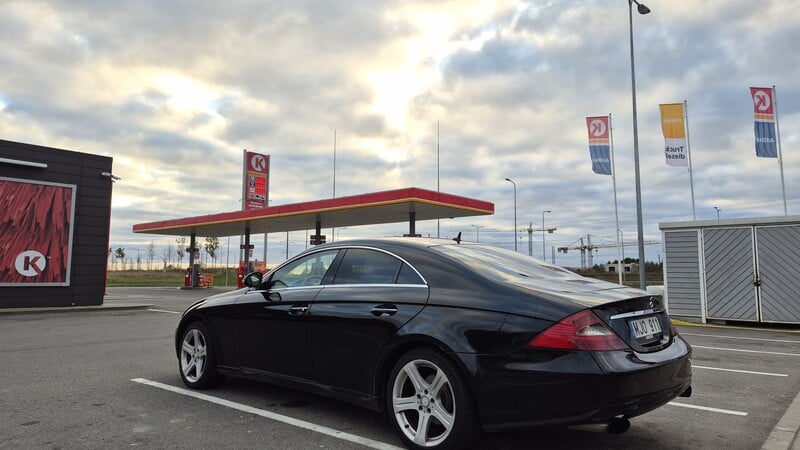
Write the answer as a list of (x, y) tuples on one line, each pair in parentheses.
[(74, 309), (785, 434), (684, 323)]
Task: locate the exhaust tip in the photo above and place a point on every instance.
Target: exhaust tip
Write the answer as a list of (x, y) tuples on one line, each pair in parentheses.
[(618, 425)]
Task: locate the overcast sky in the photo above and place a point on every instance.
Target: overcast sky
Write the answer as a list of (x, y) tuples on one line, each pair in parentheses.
[(174, 90)]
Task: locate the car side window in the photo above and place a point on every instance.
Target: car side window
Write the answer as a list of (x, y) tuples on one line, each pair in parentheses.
[(363, 266), (306, 271), (409, 276)]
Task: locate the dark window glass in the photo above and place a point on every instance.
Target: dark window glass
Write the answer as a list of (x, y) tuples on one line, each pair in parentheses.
[(306, 271), (362, 266), (408, 276)]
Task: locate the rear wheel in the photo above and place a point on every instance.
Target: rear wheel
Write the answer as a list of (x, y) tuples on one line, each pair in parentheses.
[(198, 361), (429, 404)]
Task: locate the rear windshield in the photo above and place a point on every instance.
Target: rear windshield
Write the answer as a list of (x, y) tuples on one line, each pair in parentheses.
[(501, 264)]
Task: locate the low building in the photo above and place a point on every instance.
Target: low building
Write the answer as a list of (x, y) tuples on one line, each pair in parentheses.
[(626, 267), (55, 213), (733, 269)]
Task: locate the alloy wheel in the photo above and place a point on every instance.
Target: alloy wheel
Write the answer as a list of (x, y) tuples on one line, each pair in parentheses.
[(193, 355), (423, 403)]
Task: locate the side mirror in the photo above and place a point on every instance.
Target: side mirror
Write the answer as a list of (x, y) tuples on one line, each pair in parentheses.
[(253, 279)]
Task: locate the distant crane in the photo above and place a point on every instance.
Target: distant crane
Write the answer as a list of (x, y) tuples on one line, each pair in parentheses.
[(528, 230), (589, 246)]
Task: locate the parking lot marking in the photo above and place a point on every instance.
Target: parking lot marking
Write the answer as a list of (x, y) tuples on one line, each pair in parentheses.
[(786, 341), (163, 311), (742, 371), (706, 408), (746, 351), (270, 415)]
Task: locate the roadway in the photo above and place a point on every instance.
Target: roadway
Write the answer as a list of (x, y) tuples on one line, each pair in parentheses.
[(108, 377)]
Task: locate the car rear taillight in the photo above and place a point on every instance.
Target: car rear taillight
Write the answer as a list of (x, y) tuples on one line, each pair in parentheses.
[(580, 331)]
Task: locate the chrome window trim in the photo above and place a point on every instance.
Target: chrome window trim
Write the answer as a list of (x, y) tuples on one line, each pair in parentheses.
[(345, 247), (385, 285), (366, 247)]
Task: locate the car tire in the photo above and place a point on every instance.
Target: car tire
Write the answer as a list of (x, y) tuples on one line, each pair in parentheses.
[(197, 357), (429, 404)]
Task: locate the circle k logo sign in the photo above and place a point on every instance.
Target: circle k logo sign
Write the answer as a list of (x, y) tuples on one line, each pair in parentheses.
[(762, 100), (259, 163), (597, 127), (30, 263)]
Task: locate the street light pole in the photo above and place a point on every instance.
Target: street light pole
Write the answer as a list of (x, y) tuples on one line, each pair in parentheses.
[(642, 9), (477, 236), (544, 230), (718, 210), (515, 211)]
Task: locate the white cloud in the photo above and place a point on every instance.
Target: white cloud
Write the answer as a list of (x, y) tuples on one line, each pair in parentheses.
[(174, 91)]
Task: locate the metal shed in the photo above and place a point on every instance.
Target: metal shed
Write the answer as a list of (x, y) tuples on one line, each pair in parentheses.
[(733, 269)]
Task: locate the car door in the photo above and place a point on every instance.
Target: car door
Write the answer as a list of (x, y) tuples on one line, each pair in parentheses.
[(372, 295), (270, 324)]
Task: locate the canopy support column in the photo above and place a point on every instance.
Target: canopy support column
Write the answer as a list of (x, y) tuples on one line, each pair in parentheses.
[(192, 249), (247, 249)]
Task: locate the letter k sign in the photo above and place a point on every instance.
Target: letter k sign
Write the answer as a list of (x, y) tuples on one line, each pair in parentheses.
[(30, 263)]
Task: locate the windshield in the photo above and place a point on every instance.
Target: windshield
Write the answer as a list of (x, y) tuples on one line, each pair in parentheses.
[(501, 264)]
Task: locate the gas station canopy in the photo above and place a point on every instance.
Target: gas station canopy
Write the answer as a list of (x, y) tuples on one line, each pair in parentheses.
[(409, 204)]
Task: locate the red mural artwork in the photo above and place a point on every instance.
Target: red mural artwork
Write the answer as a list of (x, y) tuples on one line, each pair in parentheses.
[(34, 232)]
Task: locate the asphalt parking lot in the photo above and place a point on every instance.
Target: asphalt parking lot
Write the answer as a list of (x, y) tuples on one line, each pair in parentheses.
[(109, 378)]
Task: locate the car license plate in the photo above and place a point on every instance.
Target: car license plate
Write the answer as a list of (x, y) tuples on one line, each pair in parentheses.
[(645, 328)]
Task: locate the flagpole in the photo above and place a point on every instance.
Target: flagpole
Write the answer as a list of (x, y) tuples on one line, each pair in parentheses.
[(689, 154), (780, 154), (438, 189), (616, 210)]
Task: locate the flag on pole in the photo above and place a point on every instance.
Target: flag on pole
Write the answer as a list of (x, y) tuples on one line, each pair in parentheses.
[(674, 129), (599, 146), (764, 112)]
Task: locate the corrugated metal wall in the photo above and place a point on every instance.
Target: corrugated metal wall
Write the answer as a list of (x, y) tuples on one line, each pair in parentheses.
[(730, 273), (779, 273), (739, 272), (683, 273)]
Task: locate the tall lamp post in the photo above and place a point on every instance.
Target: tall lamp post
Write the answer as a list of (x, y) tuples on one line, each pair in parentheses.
[(515, 211), (642, 9), (718, 210), (544, 230), (477, 236)]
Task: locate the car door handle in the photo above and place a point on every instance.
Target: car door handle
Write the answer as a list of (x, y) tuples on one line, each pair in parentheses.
[(298, 310), (384, 310)]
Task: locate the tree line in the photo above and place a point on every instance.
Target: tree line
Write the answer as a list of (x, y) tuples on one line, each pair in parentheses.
[(171, 254)]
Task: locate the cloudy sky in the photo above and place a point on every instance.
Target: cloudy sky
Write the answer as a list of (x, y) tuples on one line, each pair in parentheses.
[(174, 90)]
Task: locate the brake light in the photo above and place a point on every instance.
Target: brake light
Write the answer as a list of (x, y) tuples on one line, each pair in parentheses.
[(580, 331)]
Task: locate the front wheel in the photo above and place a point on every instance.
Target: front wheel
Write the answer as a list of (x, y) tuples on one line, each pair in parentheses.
[(429, 404), (198, 362)]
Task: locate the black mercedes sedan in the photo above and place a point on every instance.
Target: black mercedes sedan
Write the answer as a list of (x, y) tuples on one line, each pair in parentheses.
[(447, 338)]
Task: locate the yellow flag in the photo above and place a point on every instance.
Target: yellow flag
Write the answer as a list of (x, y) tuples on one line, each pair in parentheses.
[(674, 128)]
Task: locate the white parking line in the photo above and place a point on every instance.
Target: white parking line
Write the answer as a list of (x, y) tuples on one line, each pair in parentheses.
[(786, 341), (742, 371), (706, 408), (270, 415), (746, 351), (163, 311)]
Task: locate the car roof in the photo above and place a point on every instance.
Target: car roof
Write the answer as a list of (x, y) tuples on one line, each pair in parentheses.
[(396, 241)]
